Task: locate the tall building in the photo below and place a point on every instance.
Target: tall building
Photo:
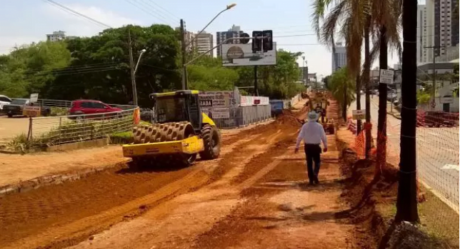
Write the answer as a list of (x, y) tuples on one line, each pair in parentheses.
[(424, 33), (223, 36), (444, 23), (56, 36), (340, 55), (204, 43), (189, 41)]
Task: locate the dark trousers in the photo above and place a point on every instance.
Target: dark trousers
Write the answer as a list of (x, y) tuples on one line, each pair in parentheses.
[(312, 152)]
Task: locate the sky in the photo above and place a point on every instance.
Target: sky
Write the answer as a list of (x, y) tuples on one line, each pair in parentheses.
[(26, 21)]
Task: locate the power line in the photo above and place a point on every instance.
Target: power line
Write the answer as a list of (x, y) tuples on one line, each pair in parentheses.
[(77, 13), (167, 12), (147, 10)]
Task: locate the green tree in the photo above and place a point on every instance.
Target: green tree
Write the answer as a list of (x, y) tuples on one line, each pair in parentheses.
[(103, 70), (278, 81), (342, 86), (29, 68)]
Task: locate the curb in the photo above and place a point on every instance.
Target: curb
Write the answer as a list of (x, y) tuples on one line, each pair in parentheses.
[(41, 181)]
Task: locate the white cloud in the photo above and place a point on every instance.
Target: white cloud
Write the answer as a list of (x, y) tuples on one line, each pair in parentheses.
[(49, 18), (76, 25)]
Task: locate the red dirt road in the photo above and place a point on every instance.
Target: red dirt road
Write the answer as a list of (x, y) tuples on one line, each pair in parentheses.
[(254, 196)]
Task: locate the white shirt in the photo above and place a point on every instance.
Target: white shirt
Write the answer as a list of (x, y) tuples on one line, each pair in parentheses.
[(312, 132)]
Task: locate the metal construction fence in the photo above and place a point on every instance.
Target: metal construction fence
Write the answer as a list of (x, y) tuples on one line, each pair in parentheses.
[(244, 115), (67, 104), (49, 131)]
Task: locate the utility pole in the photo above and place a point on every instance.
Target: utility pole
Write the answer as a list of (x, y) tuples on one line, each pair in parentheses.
[(433, 93), (256, 88), (184, 66), (131, 66)]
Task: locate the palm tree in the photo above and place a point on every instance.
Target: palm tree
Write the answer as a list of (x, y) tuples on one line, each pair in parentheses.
[(347, 12), (407, 189), (386, 22)]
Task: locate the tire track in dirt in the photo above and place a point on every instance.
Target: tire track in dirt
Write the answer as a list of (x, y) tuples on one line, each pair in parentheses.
[(281, 211), (175, 224), (47, 216)]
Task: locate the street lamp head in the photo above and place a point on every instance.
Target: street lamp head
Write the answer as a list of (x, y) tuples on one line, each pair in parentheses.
[(143, 50), (231, 6)]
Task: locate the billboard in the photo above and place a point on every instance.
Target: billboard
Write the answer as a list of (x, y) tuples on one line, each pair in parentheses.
[(217, 104), (234, 55)]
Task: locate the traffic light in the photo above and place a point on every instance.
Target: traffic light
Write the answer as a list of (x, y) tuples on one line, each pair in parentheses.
[(257, 41), (268, 40)]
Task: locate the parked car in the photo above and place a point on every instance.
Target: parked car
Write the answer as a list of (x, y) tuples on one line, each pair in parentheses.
[(4, 100), (16, 107), (85, 106)]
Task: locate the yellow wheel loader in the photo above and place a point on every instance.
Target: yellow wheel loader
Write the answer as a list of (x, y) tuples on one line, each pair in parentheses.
[(180, 132)]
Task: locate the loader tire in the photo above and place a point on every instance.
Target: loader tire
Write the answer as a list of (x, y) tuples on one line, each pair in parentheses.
[(211, 140)]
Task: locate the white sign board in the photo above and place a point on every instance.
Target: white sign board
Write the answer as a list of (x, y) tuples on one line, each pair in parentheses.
[(359, 114), (217, 113), (234, 55), (387, 76), (217, 99), (33, 98)]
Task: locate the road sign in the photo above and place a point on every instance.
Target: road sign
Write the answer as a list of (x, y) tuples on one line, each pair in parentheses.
[(387, 76), (31, 111), (33, 97), (359, 114)]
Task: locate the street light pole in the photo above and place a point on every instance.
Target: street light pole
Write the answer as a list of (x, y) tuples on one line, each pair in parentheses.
[(184, 46), (134, 68)]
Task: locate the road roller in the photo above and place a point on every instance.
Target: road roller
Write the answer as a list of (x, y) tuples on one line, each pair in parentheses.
[(319, 104), (179, 132)]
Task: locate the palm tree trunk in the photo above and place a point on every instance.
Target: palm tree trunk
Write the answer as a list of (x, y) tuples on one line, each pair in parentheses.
[(407, 189), (358, 103), (344, 104), (382, 121), (367, 71)]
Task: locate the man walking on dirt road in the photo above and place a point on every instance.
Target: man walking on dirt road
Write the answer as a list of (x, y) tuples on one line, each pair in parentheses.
[(312, 133)]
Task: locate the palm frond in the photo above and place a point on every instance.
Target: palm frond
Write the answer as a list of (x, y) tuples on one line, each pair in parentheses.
[(319, 7), (328, 29), (375, 51)]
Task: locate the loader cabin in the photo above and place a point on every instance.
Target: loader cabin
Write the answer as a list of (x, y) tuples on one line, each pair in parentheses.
[(177, 106)]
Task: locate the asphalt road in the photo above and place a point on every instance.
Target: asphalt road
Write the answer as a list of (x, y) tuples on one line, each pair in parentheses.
[(437, 154)]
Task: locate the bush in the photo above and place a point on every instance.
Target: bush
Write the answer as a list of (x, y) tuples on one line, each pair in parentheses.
[(58, 111)]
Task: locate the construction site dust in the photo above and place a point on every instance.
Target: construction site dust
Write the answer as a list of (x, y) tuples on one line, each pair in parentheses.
[(253, 196)]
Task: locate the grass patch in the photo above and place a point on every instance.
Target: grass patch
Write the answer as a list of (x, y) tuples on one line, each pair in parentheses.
[(438, 220), (122, 137), (58, 111)]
